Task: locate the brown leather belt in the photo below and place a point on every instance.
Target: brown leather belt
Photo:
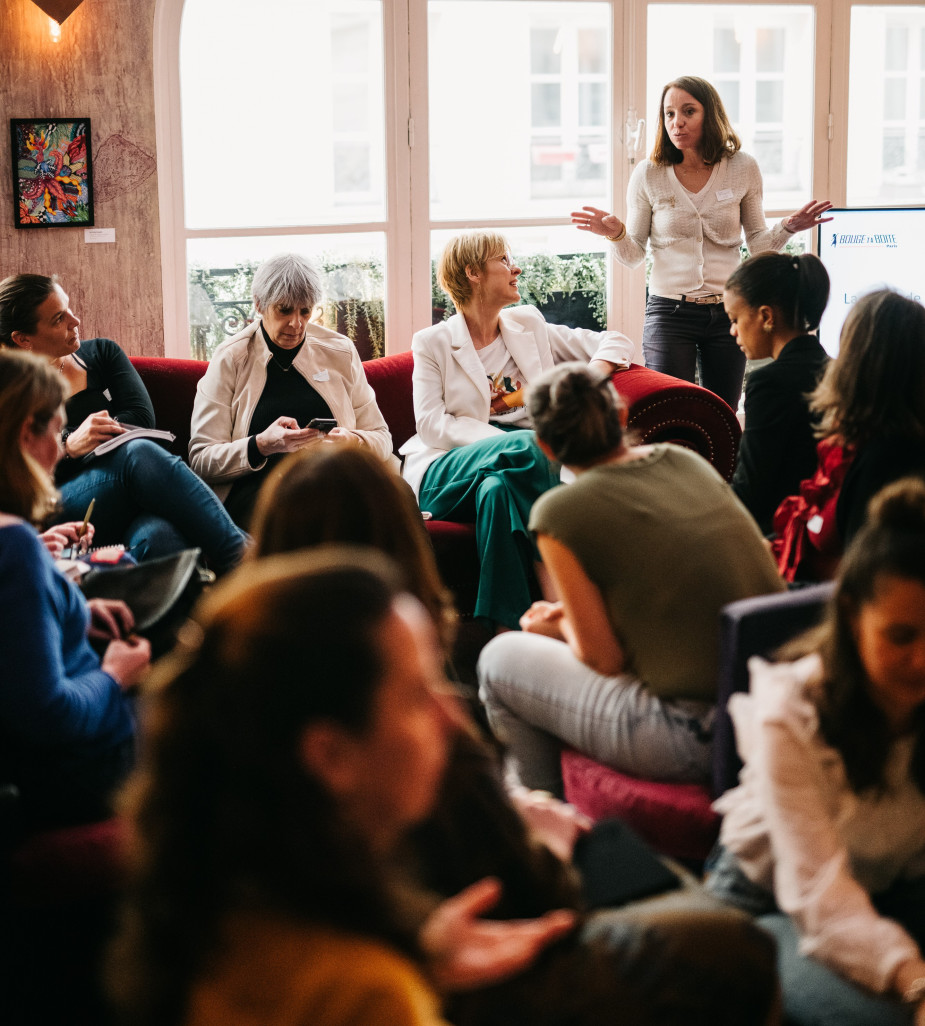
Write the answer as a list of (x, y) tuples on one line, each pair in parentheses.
[(700, 300)]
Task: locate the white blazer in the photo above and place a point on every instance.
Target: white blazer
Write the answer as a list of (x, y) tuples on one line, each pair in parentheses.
[(228, 393), (452, 399)]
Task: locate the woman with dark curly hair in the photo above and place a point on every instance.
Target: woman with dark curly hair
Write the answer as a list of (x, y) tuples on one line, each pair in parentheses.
[(827, 828), (300, 729)]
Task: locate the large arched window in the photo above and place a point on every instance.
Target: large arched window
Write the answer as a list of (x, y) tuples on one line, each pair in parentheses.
[(364, 132)]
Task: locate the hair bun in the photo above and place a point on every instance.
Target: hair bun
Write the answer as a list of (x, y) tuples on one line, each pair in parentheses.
[(900, 505)]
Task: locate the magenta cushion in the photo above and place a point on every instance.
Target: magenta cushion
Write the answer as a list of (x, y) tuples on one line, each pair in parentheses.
[(676, 819)]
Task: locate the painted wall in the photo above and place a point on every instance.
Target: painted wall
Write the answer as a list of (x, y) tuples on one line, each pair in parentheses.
[(101, 68)]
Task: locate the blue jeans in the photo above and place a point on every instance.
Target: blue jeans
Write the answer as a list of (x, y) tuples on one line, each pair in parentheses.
[(813, 994), (681, 338), (152, 502)]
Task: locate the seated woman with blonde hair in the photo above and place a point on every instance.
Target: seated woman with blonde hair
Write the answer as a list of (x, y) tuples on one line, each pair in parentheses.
[(66, 721), (472, 459)]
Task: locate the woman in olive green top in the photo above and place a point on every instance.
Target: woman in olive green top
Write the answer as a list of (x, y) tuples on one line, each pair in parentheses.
[(645, 548)]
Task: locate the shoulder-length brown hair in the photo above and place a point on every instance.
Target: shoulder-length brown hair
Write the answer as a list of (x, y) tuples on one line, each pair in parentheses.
[(31, 392), (875, 388), (341, 494), (719, 138)]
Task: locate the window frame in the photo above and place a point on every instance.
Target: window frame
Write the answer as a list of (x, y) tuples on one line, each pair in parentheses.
[(407, 225)]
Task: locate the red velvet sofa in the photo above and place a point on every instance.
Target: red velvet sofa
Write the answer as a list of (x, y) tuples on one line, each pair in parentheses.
[(661, 409)]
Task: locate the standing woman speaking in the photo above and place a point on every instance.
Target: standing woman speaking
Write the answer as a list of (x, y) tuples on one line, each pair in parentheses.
[(691, 201)]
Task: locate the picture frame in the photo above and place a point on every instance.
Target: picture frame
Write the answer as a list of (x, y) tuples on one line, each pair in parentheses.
[(52, 172)]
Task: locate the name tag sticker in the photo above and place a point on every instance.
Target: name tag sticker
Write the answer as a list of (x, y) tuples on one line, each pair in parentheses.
[(724, 194), (107, 394), (321, 376)]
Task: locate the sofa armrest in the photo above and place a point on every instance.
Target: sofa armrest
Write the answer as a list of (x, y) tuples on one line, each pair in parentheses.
[(667, 409)]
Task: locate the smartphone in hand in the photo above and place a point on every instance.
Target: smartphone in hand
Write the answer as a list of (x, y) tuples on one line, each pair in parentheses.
[(322, 424)]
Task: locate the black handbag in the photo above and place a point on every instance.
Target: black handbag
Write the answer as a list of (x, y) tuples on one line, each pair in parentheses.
[(160, 593)]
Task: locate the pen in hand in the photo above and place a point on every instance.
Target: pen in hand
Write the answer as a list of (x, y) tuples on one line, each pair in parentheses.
[(83, 527)]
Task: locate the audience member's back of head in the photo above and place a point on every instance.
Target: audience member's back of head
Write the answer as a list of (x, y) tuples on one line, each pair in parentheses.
[(795, 286), (31, 392), (340, 494), (576, 412), (875, 388)]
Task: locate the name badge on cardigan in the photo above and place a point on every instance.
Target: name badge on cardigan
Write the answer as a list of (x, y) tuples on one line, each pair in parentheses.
[(724, 194)]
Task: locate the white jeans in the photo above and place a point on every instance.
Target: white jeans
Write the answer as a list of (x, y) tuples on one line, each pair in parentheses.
[(539, 696)]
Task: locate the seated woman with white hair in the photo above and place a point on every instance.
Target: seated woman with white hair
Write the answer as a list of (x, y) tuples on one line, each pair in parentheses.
[(250, 409)]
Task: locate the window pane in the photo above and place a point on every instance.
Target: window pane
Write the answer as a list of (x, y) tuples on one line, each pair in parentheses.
[(731, 45), (592, 55), (729, 93), (727, 49), (769, 101), (886, 105), (896, 47), (592, 104), (220, 273), (769, 152), (564, 273), (894, 149), (308, 147), (770, 47), (545, 51), (546, 107), (542, 124), (894, 99)]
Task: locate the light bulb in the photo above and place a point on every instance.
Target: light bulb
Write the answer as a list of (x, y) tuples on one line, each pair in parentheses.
[(55, 29)]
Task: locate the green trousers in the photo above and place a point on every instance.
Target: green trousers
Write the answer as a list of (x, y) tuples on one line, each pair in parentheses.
[(494, 483)]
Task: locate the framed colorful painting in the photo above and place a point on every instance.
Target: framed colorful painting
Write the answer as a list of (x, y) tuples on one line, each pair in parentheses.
[(52, 172)]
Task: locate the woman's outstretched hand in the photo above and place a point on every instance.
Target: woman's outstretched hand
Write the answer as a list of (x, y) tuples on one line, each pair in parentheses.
[(808, 216), (590, 219), (465, 951)]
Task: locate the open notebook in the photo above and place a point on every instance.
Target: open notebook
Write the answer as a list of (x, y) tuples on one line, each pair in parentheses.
[(128, 436)]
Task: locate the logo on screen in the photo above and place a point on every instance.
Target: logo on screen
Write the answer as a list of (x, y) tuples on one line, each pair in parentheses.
[(866, 240)]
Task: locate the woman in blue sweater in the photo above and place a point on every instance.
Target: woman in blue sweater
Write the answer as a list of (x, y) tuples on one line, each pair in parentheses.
[(66, 722)]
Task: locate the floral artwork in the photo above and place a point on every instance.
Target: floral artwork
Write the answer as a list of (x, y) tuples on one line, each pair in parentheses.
[(52, 177)]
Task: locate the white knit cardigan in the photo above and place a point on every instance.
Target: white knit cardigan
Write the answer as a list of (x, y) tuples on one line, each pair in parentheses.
[(660, 210)]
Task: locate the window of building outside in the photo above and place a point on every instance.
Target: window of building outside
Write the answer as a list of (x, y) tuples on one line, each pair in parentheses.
[(886, 126), (296, 141), (526, 145)]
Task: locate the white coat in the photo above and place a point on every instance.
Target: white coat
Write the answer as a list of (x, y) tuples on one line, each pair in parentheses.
[(452, 399)]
